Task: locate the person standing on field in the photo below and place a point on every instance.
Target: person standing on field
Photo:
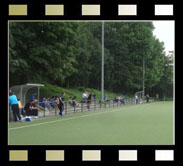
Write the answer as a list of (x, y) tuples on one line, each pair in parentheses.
[(136, 99), (89, 100), (147, 98), (61, 104), (13, 102)]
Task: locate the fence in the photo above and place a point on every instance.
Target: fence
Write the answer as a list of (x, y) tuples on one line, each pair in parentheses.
[(83, 106), (45, 110)]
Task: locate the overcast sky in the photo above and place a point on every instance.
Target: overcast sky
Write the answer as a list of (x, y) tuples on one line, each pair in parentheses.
[(164, 31)]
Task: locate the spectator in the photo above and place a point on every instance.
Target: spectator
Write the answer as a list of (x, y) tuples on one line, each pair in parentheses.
[(85, 96), (35, 108), (31, 109), (89, 100), (57, 100), (70, 101), (122, 100), (115, 98), (106, 98), (63, 95), (53, 102), (56, 103), (94, 96), (119, 99), (136, 99), (46, 103), (41, 102), (28, 111), (61, 103), (13, 102), (21, 109), (147, 98), (75, 102)]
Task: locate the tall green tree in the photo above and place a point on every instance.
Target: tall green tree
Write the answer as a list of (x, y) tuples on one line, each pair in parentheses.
[(69, 54)]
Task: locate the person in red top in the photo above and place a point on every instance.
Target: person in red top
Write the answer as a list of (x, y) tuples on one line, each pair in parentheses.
[(31, 109)]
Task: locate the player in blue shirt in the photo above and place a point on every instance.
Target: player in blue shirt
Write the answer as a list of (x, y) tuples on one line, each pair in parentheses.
[(13, 102)]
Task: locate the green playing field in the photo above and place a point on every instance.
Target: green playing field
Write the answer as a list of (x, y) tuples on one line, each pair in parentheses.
[(142, 124)]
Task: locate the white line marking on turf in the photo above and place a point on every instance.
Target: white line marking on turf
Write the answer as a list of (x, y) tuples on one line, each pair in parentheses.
[(14, 128)]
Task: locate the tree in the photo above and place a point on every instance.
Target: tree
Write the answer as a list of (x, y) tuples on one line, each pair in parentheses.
[(68, 54)]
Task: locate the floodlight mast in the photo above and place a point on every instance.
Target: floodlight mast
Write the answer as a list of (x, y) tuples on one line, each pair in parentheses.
[(143, 94), (102, 65)]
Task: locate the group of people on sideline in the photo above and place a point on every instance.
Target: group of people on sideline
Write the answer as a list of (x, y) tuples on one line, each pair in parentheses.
[(87, 97), (19, 111), (57, 102), (31, 107), (137, 100)]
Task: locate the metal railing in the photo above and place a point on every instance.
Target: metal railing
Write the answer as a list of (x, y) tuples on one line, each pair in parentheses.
[(82, 106), (45, 109)]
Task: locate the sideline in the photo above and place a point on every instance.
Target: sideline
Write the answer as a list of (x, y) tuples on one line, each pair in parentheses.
[(38, 124)]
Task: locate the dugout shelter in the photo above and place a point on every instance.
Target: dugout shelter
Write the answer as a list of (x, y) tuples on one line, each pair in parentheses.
[(21, 91)]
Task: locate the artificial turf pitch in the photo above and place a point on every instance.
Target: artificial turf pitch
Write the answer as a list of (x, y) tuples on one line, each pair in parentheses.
[(142, 124)]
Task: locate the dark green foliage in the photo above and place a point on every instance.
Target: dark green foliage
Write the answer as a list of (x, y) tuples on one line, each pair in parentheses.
[(68, 54)]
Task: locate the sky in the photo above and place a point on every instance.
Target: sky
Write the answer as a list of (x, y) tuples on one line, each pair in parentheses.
[(165, 31)]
